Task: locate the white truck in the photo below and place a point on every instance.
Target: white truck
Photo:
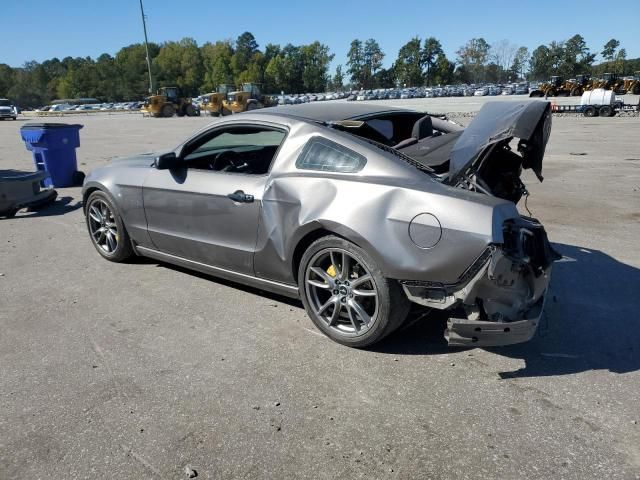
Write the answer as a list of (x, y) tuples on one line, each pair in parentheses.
[(7, 109)]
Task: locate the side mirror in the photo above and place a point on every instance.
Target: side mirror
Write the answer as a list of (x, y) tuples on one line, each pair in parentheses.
[(168, 161)]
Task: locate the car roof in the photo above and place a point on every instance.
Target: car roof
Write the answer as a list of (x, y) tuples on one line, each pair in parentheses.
[(328, 112)]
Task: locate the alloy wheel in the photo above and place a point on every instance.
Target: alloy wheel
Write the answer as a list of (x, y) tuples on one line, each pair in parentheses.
[(103, 227), (342, 292)]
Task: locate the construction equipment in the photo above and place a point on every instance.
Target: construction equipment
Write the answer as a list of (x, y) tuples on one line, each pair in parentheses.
[(610, 81), (213, 102), (632, 84), (556, 86), (249, 98), (168, 102), (581, 84)]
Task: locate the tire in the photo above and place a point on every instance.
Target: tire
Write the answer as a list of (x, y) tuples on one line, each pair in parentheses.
[(9, 213), (550, 93), (123, 250), (251, 106), (636, 89), (168, 111), (575, 92), (324, 288), (214, 114), (605, 111), (190, 111), (589, 111)]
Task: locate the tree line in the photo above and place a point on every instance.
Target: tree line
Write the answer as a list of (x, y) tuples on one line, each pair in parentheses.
[(300, 68)]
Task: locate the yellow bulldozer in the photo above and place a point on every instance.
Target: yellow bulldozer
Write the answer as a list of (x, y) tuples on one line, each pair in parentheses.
[(213, 102), (249, 98), (168, 102)]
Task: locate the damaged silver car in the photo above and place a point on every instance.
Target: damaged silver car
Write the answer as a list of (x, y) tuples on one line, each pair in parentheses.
[(356, 210)]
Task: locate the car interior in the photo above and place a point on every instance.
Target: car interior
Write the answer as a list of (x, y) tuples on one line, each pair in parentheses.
[(243, 149), (412, 133)]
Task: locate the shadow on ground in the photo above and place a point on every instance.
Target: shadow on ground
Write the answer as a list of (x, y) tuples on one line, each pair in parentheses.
[(61, 206), (591, 321)]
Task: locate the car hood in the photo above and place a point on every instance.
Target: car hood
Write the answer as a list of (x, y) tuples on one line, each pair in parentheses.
[(530, 121)]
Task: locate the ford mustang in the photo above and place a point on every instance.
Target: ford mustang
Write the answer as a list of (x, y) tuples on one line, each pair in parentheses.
[(358, 210)]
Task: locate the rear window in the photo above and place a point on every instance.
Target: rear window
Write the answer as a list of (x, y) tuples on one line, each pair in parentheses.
[(327, 156)]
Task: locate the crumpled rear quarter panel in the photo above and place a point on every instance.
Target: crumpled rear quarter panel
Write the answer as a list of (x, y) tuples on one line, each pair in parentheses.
[(376, 217)]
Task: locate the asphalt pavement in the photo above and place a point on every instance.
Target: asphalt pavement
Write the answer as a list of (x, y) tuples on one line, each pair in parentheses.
[(141, 370)]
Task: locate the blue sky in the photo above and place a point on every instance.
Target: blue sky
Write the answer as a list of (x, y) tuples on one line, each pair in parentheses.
[(41, 29)]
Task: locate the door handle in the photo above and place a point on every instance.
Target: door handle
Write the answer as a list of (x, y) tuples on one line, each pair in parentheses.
[(240, 197)]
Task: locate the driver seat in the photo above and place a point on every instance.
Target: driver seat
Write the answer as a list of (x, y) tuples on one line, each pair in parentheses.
[(423, 128)]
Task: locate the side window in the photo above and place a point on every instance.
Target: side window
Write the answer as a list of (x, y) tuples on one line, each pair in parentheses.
[(241, 149), (327, 156)]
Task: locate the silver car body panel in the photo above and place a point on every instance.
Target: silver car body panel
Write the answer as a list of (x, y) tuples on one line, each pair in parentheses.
[(387, 208)]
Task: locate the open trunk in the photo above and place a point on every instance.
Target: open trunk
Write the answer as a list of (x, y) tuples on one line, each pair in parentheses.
[(481, 157)]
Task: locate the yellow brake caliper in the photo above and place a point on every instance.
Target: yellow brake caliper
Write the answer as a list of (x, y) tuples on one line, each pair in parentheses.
[(331, 271)]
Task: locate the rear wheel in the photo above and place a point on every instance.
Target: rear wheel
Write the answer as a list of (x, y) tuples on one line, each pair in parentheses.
[(636, 89), (251, 106), (605, 111), (168, 111), (576, 92), (190, 111), (589, 111), (106, 228), (346, 295)]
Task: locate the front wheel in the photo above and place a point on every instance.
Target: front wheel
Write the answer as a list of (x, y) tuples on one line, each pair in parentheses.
[(106, 228), (346, 295), (168, 111)]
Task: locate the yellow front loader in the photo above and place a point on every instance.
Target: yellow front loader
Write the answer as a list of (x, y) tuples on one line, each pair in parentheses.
[(168, 102), (247, 99), (213, 102)]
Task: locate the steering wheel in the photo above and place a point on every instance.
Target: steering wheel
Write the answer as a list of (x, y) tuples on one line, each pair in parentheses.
[(230, 161)]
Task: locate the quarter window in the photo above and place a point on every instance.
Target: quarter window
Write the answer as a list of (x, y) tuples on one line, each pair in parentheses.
[(327, 156)]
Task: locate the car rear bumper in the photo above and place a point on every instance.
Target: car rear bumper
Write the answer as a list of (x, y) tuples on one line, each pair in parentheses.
[(500, 298), (475, 333)]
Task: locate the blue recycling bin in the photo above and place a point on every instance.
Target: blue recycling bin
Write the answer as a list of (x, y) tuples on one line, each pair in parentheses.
[(53, 146)]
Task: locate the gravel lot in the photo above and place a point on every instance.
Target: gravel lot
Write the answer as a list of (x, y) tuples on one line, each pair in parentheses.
[(139, 370)]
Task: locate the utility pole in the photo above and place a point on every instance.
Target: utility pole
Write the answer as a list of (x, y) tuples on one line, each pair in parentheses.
[(146, 46)]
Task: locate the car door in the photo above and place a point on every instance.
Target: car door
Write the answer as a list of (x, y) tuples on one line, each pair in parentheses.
[(207, 208)]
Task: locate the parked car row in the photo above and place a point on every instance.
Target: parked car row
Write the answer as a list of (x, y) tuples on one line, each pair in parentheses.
[(446, 91), (296, 99)]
